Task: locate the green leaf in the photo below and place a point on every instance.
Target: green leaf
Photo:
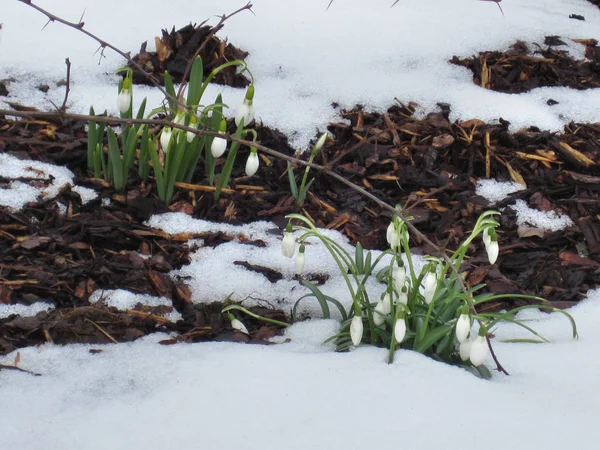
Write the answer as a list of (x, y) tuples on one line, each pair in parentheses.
[(176, 156), (432, 336), (228, 167), (92, 141), (144, 167), (213, 125), (292, 180), (170, 88), (195, 84), (316, 292), (114, 156), (158, 170)]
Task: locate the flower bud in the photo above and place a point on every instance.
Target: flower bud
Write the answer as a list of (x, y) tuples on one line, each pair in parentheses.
[(165, 138), (399, 278), (400, 328), (300, 258), (379, 313), (124, 100), (463, 327), (237, 325), (392, 235), (252, 163), (356, 330), (288, 243), (479, 349), (193, 124), (429, 285), (245, 111), (464, 350)]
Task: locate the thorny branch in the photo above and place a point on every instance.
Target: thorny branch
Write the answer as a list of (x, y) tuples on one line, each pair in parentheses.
[(67, 86), (213, 31)]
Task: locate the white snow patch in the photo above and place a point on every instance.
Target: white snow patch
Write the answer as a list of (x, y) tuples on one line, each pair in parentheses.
[(24, 310), (122, 300)]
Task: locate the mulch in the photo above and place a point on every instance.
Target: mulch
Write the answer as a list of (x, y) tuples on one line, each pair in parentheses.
[(427, 165)]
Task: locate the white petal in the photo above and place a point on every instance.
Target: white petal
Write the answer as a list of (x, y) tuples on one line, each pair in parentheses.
[(252, 164), (239, 326), (165, 138), (479, 351), (463, 327), (492, 250), (300, 258), (429, 287), (379, 313), (245, 111), (288, 244), (400, 330), (218, 147), (465, 349), (356, 330), (399, 279), (387, 303), (124, 100)]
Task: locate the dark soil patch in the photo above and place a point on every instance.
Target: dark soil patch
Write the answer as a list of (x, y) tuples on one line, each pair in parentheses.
[(429, 166), (176, 48), (522, 68)]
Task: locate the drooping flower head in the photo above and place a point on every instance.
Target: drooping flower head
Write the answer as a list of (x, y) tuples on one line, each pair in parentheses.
[(219, 145), (252, 163), (288, 243), (245, 111)]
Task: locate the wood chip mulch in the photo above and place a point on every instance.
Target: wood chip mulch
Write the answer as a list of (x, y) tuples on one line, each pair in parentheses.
[(428, 165)]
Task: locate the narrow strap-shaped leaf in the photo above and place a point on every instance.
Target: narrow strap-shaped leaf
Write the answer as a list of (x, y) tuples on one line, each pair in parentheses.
[(432, 336), (292, 179), (171, 91), (228, 167), (92, 140), (195, 84), (157, 169), (176, 159), (213, 125), (143, 166), (114, 156)]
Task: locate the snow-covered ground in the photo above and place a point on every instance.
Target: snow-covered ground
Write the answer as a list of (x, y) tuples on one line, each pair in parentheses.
[(301, 395)]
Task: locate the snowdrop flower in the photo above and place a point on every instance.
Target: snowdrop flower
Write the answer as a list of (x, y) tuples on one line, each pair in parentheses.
[(288, 243), (403, 296), (387, 302), (379, 313), (252, 162), (179, 118), (219, 145), (464, 350), (479, 349), (399, 278), (392, 235), (356, 330), (429, 285), (463, 327), (400, 328), (193, 124), (300, 258), (491, 244), (320, 143), (125, 97), (237, 325), (165, 138), (245, 111)]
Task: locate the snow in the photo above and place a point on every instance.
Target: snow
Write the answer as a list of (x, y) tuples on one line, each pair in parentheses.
[(299, 394)]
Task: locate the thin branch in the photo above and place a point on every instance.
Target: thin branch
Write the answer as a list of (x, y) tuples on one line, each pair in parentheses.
[(498, 365), (68, 85), (207, 39)]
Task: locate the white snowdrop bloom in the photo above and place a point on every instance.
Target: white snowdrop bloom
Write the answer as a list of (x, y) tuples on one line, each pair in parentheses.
[(399, 279), (392, 235), (288, 244), (239, 326), (356, 330), (399, 330), (124, 100), (463, 327), (379, 313), (429, 286), (300, 259), (464, 350), (165, 138), (218, 147), (252, 163), (479, 351)]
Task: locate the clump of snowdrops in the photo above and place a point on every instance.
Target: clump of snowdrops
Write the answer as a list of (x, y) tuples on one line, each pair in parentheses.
[(430, 311), (172, 154)]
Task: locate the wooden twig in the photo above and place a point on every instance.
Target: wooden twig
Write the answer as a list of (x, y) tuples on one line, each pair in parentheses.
[(212, 32), (68, 85)]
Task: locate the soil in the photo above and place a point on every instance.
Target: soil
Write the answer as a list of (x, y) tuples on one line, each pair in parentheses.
[(427, 165)]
